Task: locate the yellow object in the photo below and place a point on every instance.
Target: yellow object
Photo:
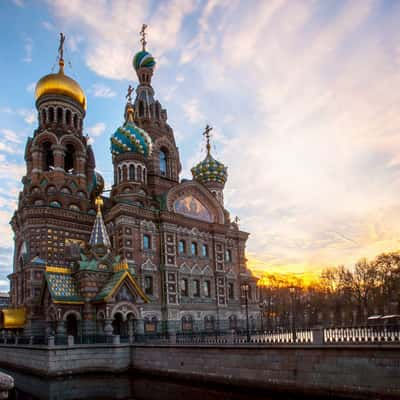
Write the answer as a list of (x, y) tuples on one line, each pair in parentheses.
[(99, 204), (122, 266), (13, 318), (58, 270), (60, 83)]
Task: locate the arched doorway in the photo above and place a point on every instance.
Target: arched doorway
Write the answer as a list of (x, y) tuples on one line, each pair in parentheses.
[(120, 327), (72, 325)]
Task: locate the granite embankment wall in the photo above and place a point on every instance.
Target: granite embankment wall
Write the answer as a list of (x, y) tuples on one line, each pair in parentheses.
[(361, 371), (357, 371)]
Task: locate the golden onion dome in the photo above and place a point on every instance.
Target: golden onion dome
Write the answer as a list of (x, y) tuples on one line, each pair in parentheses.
[(61, 84)]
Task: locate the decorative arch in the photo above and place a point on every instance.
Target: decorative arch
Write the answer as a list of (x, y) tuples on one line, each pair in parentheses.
[(196, 270), (74, 141), (207, 271), (125, 308), (201, 194), (72, 312), (45, 136)]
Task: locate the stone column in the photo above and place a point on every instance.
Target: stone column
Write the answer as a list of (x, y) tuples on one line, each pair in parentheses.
[(59, 154), (108, 328), (60, 328)]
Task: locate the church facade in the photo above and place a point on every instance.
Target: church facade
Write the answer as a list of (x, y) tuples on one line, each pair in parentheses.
[(157, 254)]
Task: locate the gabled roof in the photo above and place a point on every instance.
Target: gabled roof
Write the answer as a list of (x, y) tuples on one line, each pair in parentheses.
[(114, 283)]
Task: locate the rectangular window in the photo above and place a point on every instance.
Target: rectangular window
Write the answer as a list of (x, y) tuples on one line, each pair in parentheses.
[(181, 247), (148, 285), (207, 288), (184, 287), (196, 288), (228, 255), (194, 249), (204, 250), (146, 242), (231, 290)]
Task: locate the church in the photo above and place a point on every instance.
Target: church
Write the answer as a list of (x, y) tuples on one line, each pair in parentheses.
[(156, 253)]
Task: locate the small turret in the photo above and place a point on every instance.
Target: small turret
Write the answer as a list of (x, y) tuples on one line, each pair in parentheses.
[(210, 172)]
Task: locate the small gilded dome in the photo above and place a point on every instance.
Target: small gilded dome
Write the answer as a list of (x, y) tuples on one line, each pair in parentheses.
[(60, 84), (143, 59), (210, 170), (129, 138)]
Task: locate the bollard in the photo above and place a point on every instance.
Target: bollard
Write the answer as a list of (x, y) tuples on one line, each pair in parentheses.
[(70, 340), (6, 384), (116, 339)]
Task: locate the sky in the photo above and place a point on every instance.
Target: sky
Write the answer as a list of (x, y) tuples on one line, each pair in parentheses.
[(303, 97)]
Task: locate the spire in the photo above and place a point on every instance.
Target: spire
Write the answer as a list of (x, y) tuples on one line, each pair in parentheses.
[(61, 53), (129, 110), (207, 135), (99, 236), (143, 37)]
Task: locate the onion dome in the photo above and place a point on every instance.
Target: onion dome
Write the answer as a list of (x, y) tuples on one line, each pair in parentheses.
[(143, 59), (210, 170), (96, 187), (129, 138), (60, 84)]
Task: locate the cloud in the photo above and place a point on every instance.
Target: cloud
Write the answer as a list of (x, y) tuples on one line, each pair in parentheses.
[(31, 87), (29, 115), (191, 109), (48, 26), (10, 135), (28, 48), (101, 90), (112, 34), (19, 3), (97, 129)]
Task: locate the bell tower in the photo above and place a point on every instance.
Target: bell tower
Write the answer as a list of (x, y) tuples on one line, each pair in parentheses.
[(164, 166)]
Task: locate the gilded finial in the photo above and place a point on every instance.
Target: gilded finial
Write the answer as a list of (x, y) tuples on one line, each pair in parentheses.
[(207, 135), (143, 36), (99, 204), (61, 52)]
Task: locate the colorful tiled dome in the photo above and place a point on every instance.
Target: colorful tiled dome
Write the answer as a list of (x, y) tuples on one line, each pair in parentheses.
[(96, 187), (210, 170), (131, 138), (143, 59)]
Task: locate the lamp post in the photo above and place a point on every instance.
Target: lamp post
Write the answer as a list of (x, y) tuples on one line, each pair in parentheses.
[(245, 288), (262, 306), (292, 290)]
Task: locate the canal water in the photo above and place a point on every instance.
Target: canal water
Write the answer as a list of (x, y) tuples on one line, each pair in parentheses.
[(124, 387)]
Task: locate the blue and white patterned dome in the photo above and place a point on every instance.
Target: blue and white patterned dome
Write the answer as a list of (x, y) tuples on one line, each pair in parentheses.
[(143, 59), (131, 138), (210, 170)]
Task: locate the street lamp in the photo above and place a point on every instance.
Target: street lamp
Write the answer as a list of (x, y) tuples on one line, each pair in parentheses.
[(292, 290), (245, 288)]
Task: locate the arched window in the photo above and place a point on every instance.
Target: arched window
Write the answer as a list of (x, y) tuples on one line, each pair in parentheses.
[(75, 121), (144, 175), (131, 172), (69, 159), (43, 117), (163, 163), (68, 117), (124, 173), (59, 114), (119, 175), (139, 173), (48, 157), (141, 109), (51, 114)]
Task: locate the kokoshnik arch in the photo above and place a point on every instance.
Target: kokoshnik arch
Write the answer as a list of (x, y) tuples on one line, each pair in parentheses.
[(158, 252)]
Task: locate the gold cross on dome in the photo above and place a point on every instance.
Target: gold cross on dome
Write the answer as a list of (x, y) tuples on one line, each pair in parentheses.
[(61, 47), (99, 204), (207, 135), (143, 36)]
